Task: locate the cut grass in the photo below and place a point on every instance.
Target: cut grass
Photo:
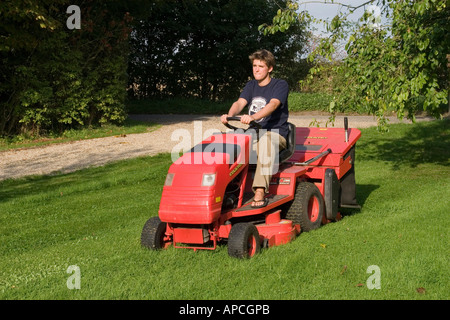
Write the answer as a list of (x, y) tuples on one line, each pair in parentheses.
[(93, 219)]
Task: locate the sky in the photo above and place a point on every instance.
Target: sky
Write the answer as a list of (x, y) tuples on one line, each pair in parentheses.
[(327, 11), (321, 10)]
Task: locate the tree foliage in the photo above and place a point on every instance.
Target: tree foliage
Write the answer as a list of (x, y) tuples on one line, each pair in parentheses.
[(53, 77), (201, 48), (401, 66)]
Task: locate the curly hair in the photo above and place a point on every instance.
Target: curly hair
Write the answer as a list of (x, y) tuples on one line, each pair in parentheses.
[(263, 55)]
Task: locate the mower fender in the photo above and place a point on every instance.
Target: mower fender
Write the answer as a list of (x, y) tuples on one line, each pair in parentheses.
[(331, 194)]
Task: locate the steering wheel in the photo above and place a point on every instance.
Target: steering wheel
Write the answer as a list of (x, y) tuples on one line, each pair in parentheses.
[(252, 125)]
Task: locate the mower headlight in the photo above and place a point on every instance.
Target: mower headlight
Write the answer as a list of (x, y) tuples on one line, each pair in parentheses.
[(169, 179), (208, 179)]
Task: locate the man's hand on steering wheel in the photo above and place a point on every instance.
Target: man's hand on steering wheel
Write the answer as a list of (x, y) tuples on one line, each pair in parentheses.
[(223, 118), (246, 119)]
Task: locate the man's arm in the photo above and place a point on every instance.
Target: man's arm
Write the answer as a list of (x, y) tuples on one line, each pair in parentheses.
[(264, 112)]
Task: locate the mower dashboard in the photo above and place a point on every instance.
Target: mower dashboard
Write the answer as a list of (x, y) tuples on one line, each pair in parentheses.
[(210, 149)]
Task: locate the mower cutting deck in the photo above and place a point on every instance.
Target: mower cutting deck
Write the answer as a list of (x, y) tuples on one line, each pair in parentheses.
[(207, 194)]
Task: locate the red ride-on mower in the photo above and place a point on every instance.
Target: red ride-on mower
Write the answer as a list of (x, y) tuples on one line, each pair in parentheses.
[(207, 194)]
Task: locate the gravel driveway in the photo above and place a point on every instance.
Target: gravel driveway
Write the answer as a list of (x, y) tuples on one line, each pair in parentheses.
[(176, 130)]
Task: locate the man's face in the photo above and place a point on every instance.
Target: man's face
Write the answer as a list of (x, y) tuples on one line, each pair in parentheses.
[(260, 70)]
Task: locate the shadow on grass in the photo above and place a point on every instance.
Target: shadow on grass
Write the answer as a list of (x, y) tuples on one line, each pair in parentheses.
[(409, 145), (34, 185), (122, 173), (363, 192)]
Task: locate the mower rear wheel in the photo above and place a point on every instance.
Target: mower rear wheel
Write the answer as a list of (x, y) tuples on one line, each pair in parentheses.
[(307, 208), (243, 241), (153, 234)]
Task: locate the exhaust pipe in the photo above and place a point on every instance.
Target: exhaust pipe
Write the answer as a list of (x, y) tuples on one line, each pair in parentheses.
[(346, 128)]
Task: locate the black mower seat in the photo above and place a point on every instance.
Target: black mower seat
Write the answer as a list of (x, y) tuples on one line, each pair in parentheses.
[(285, 154)]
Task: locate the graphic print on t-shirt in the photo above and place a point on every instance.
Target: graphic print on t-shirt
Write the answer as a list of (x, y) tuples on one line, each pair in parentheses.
[(257, 104)]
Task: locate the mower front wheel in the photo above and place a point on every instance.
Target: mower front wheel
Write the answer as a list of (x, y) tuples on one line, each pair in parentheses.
[(153, 234), (243, 241)]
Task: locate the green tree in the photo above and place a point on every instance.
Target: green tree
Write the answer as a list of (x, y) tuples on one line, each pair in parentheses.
[(201, 48), (55, 78), (401, 66)]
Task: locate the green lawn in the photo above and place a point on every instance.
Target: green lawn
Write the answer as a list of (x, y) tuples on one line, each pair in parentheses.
[(93, 219)]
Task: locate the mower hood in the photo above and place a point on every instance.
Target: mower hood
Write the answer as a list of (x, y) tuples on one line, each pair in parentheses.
[(195, 185)]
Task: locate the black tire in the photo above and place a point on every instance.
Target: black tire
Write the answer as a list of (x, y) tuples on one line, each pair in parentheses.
[(243, 241), (307, 208), (152, 236)]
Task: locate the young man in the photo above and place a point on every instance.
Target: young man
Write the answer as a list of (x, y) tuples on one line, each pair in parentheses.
[(267, 99)]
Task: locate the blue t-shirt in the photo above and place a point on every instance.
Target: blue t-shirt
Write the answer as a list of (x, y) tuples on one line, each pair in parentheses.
[(258, 97)]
